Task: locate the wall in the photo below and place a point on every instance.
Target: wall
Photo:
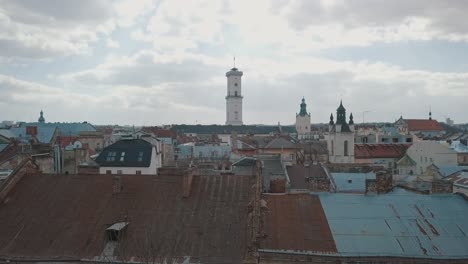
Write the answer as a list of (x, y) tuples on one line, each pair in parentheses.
[(302, 126), (336, 149), (425, 153)]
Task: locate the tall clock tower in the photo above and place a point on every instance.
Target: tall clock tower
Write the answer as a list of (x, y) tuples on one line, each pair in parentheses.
[(234, 97)]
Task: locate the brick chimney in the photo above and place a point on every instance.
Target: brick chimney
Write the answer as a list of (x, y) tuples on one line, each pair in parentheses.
[(187, 182), (117, 184), (383, 181)]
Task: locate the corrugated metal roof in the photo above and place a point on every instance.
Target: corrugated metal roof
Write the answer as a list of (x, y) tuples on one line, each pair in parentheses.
[(351, 182), (400, 224)]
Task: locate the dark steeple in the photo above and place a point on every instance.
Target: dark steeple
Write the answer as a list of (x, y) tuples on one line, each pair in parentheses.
[(341, 114), (331, 119), (41, 118), (430, 114), (351, 121), (303, 111)]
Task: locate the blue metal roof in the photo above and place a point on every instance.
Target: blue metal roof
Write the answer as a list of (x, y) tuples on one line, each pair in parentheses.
[(44, 134), (351, 182), (447, 170), (66, 129), (2, 147), (400, 224)]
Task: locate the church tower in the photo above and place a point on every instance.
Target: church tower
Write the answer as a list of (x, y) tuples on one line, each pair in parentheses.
[(341, 137), (303, 122), (234, 97), (41, 117)]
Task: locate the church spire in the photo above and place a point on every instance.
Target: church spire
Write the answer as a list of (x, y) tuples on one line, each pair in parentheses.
[(430, 113), (41, 117), (303, 111), (331, 119), (351, 121)]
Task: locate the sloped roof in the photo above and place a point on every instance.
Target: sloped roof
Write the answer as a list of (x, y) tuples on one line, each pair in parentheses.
[(44, 134), (371, 151), (298, 175), (65, 217), (296, 222), (398, 224), (459, 179), (126, 153), (281, 143), (423, 125), (406, 161)]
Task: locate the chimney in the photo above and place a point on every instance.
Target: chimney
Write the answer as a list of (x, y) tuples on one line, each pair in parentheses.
[(31, 130), (187, 182), (117, 184), (234, 141), (383, 181)]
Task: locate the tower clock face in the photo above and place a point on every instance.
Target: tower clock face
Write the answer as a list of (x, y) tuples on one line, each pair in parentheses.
[(235, 84)]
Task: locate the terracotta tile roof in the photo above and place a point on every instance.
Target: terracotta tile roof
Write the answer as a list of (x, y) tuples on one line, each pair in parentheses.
[(65, 217), (296, 222), (423, 125), (160, 132), (371, 151)]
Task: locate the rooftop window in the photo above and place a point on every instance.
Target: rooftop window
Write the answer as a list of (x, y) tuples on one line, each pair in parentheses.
[(140, 156), (111, 156), (122, 156)]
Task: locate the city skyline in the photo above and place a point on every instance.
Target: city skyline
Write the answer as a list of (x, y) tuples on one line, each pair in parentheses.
[(152, 63)]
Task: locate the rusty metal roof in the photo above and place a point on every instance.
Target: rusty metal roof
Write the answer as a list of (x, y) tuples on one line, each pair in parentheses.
[(398, 224), (65, 217), (296, 222)]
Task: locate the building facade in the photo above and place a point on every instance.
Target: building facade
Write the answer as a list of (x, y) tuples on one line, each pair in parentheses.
[(234, 97), (341, 137), (303, 122)]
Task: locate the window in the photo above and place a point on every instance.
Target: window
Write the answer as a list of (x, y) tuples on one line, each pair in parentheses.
[(364, 140), (236, 115), (108, 172), (111, 156), (140, 156), (235, 84), (119, 171), (346, 148), (122, 156), (395, 140), (235, 93), (409, 140), (138, 172)]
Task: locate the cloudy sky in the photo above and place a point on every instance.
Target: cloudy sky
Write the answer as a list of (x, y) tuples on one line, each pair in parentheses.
[(163, 62)]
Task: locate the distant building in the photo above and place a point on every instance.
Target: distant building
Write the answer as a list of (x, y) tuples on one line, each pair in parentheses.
[(341, 137), (234, 97), (303, 122), (425, 153), (130, 156), (425, 128), (386, 155)]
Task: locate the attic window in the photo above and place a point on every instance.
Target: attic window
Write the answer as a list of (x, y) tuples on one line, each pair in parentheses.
[(122, 156), (111, 156), (140, 156)]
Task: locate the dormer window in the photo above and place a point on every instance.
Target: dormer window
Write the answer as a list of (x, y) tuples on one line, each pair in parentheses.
[(140, 156), (111, 156), (122, 156)]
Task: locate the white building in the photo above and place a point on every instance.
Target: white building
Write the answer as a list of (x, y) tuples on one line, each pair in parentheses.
[(341, 137), (234, 97), (130, 156), (303, 122), (425, 153)]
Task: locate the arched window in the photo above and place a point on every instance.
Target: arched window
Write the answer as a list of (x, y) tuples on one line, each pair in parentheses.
[(235, 93), (346, 147), (236, 115)]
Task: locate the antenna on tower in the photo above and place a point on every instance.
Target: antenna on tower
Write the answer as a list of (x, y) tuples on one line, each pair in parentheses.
[(234, 61)]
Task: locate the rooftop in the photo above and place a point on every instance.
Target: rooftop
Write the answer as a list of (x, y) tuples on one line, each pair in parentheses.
[(423, 125), (397, 224), (126, 153), (351, 182), (66, 216), (370, 151)]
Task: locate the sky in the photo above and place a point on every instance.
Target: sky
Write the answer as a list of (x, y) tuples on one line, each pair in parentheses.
[(164, 62)]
